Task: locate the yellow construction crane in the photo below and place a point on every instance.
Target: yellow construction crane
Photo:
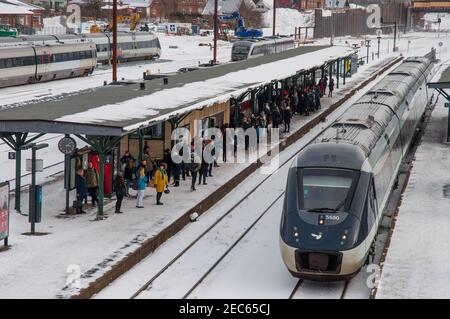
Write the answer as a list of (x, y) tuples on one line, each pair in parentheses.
[(132, 20)]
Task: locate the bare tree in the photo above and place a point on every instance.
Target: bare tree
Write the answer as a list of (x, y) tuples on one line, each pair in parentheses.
[(92, 8), (252, 18)]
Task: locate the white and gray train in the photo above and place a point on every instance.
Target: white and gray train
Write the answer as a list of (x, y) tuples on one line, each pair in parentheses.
[(31, 59), (339, 185), (253, 48)]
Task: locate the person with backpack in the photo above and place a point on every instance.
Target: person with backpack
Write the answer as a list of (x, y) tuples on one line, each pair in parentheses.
[(161, 182)]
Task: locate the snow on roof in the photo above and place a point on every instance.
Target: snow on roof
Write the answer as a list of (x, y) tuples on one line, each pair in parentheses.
[(208, 92), (288, 19), (138, 3), (110, 7), (226, 6), (6, 8), (28, 6)]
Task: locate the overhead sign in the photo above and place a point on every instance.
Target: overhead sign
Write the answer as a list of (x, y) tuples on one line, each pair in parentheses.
[(172, 28), (335, 3), (4, 211), (39, 165)]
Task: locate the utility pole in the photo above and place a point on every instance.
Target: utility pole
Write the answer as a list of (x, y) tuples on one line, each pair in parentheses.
[(395, 36), (215, 32), (114, 44), (368, 46), (378, 50), (274, 16)]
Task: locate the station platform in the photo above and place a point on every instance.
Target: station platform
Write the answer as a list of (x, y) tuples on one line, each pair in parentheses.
[(98, 251), (418, 258)]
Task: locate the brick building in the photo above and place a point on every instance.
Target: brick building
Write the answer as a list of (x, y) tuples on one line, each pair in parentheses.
[(310, 4), (19, 14), (167, 8)]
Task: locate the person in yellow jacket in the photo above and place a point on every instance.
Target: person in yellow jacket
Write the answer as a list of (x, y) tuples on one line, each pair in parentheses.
[(161, 182)]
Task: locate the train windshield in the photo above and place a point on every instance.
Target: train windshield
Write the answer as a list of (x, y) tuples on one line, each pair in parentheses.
[(240, 52), (326, 189)]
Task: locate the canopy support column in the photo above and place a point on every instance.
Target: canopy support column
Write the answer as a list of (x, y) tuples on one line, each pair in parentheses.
[(447, 97), (101, 144)]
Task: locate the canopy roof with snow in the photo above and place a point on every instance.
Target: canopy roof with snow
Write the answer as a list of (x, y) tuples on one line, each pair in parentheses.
[(226, 6), (15, 7), (117, 110), (443, 82)]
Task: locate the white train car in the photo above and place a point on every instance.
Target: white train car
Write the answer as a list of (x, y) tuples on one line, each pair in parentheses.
[(253, 48), (339, 185), (26, 63)]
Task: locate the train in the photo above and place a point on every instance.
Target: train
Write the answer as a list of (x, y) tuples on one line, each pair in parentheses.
[(31, 59), (338, 186), (253, 48)]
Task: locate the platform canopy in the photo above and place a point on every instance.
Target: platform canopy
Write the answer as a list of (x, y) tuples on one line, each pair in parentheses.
[(443, 82), (116, 110)]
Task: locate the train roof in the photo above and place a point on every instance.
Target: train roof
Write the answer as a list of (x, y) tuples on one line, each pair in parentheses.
[(366, 120), (258, 40)]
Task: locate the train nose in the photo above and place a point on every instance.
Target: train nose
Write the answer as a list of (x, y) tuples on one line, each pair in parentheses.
[(329, 262)]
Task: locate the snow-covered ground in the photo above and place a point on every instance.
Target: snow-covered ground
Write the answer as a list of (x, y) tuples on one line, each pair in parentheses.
[(287, 20), (417, 262), (431, 21)]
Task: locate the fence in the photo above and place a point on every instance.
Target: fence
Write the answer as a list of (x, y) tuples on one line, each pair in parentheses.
[(51, 30), (353, 22)]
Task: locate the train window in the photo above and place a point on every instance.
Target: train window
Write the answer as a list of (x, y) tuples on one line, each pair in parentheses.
[(82, 55), (326, 188)]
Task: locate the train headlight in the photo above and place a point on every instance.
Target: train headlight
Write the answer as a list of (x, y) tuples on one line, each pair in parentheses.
[(344, 237), (296, 233), (321, 219)]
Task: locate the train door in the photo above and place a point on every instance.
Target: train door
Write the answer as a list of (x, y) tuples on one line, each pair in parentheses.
[(43, 67)]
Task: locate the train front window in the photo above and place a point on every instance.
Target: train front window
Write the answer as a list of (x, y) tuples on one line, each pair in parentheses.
[(326, 189), (241, 51)]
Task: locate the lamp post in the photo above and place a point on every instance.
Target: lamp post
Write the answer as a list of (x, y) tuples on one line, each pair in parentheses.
[(35, 202), (114, 42), (274, 16), (215, 32), (368, 46)]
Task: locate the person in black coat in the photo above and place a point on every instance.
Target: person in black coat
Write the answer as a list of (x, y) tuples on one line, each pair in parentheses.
[(302, 103), (330, 87), (81, 187), (276, 117), (287, 115), (121, 191), (168, 160), (317, 97), (126, 158), (308, 103), (129, 175)]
